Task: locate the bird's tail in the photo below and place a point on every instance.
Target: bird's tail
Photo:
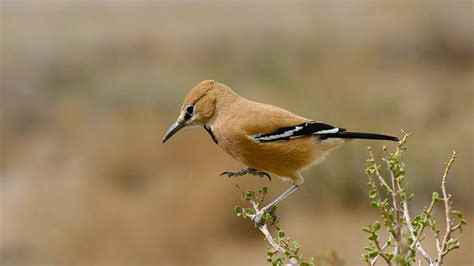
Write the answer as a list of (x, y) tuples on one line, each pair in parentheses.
[(358, 135)]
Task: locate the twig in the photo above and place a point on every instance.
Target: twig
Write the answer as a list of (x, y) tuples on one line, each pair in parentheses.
[(263, 227), (377, 171), (394, 192), (416, 243), (428, 211), (447, 208), (381, 254), (256, 202)]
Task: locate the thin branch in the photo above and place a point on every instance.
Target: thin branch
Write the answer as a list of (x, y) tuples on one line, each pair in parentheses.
[(447, 208), (419, 248), (256, 202), (264, 228), (394, 193), (418, 235), (377, 171), (381, 254)]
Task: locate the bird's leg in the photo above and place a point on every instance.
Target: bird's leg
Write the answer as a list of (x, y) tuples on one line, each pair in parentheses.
[(258, 216), (248, 170)]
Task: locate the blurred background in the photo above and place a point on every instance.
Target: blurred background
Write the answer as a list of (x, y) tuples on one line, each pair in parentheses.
[(88, 89)]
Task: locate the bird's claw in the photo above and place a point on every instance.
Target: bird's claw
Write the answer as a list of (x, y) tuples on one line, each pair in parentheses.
[(258, 218), (231, 174), (260, 173), (247, 171)]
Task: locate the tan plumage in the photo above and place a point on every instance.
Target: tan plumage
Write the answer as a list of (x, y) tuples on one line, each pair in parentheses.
[(234, 120), (236, 124)]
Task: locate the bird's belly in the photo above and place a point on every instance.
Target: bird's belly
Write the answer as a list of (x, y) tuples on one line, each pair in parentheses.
[(285, 158)]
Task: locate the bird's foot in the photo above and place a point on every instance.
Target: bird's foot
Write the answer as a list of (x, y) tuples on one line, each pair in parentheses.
[(237, 173), (247, 170), (258, 218), (259, 173)]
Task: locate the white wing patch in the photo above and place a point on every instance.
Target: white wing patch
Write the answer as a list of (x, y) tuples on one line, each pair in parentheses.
[(328, 131), (298, 131), (284, 135)]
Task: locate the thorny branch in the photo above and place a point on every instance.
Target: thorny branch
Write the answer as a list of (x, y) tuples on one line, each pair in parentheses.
[(381, 254), (450, 227), (401, 249), (279, 244), (262, 227)]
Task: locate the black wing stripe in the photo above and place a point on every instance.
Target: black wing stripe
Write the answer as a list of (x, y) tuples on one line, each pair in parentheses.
[(301, 130)]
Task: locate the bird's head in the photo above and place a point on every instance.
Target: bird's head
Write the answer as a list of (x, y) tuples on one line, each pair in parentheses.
[(199, 106)]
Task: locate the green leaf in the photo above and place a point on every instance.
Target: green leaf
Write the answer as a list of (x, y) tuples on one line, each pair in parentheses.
[(272, 209), (270, 252), (281, 234), (459, 215), (390, 256), (238, 210), (365, 257), (370, 170), (417, 219), (278, 261), (436, 197), (452, 243), (296, 246), (373, 254), (249, 195), (376, 225), (374, 204), (249, 210), (372, 193)]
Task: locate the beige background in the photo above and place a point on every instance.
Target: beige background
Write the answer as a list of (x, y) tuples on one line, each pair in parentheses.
[(89, 88)]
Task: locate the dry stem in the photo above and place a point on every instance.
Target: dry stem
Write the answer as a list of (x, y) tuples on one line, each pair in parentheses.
[(442, 251)]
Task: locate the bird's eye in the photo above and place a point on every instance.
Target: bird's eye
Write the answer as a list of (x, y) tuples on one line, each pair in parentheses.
[(190, 109)]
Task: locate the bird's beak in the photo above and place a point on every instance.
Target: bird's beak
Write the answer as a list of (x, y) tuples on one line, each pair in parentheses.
[(173, 129)]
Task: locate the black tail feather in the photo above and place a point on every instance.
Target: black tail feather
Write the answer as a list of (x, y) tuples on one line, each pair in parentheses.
[(358, 135)]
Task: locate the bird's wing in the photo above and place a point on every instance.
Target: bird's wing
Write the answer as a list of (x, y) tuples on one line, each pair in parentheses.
[(297, 131), (268, 123)]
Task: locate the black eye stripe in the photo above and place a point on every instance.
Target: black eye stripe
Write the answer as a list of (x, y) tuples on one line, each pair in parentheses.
[(187, 116)]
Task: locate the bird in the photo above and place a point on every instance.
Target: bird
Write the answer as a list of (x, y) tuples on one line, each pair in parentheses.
[(265, 138)]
